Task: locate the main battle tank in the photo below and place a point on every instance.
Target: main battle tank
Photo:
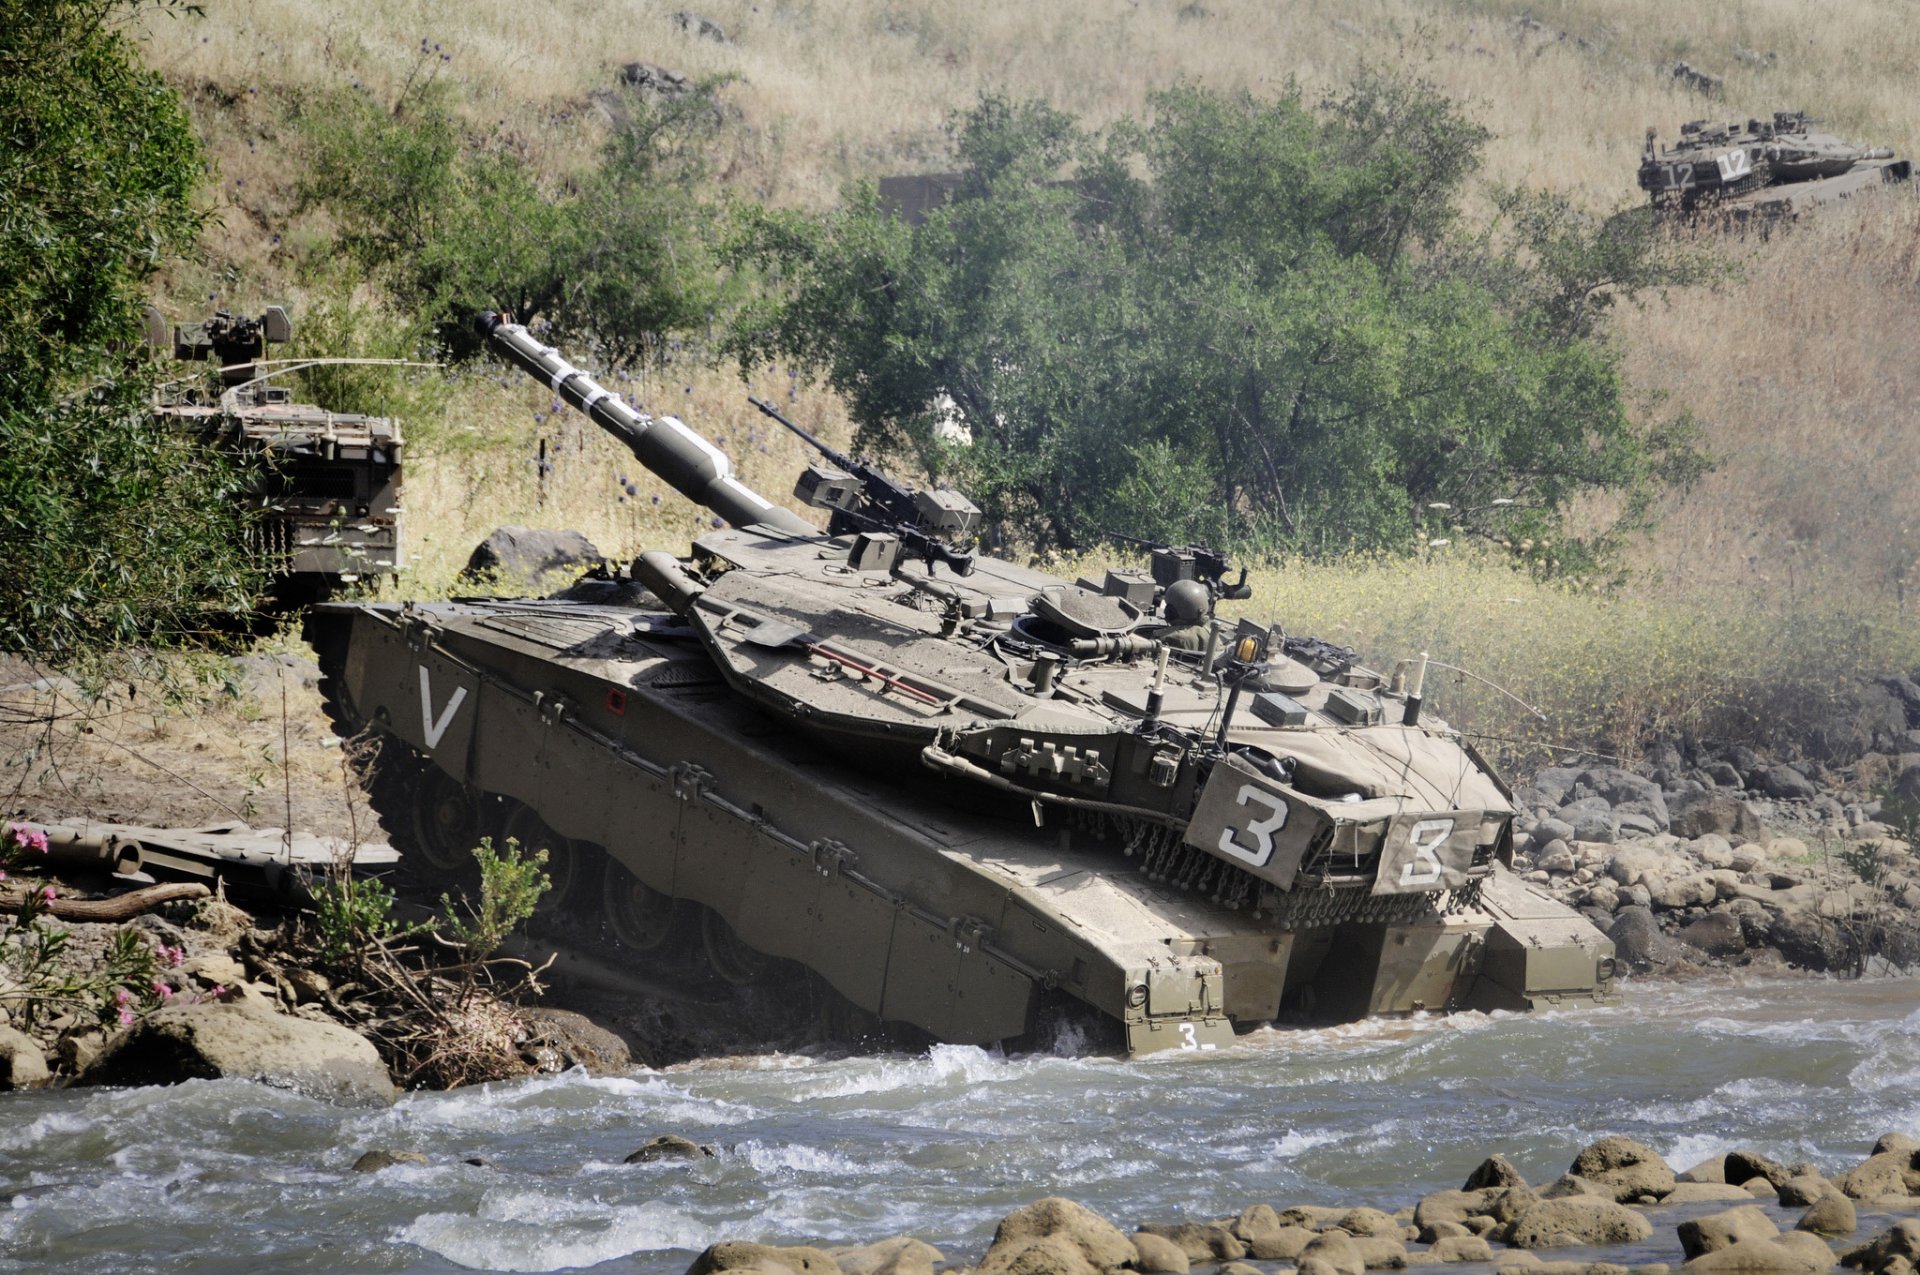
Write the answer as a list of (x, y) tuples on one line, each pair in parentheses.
[(1764, 169), (966, 795), (327, 493)]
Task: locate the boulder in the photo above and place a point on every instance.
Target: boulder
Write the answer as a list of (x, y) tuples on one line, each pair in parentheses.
[(1787, 783), (1338, 1251), (1158, 1255), (1883, 1174), (1283, 1245), (1380, 1252), (1719, 813), (1723, 1230), (901, 1255), (1638, 940), (1744, 1166), (1711, 1169), (1573, 1184), (1452, 1207), (1494, 1171), (22, 1065), (1255, 1219), (1626, 791), (1799, 1192), (1896, 1142), (1713, 850), (1717, 934), (669, 1146), (1550, 829), (1058, 1225), (1900, 1242), (533, 557), (762, 1259), (376, 1160), (1201, 1241), (1631, 865), (1576, 1219), (1368, 1222), (248, 1042), (1690, 890), (1557, 856), (1461, 1248), (1796, 1253), (578, 1040), (1832, 1214)]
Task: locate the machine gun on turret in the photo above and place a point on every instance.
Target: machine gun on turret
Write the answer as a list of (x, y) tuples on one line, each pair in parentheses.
[(864, 498), (1174, 563)]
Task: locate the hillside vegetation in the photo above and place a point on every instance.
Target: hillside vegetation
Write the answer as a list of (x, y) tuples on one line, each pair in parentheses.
[(1798, 366)]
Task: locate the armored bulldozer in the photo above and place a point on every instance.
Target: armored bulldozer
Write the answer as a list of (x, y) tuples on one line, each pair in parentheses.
[(326, 493), (963, 794), (1762, 170)]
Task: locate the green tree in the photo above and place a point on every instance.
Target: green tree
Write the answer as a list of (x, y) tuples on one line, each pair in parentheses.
[(1256, 321), (112, 526), (617, 257)]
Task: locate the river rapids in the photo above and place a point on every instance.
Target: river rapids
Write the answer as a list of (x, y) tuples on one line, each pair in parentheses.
[(224, 1176)]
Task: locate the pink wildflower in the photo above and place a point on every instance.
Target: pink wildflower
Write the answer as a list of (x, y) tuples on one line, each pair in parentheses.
[(48, 893), (172, 956), (126, 1017), (161, 990), (217, 991), (29, 838), (121, 995)]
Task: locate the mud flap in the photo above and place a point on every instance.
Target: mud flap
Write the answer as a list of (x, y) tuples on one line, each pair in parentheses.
[(1156, 1035)]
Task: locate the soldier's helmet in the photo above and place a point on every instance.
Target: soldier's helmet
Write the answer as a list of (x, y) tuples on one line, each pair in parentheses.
[(1186, 602)]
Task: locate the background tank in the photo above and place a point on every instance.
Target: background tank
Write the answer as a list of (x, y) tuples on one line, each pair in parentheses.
[(328, 489), (1767, 169), (963, 794)]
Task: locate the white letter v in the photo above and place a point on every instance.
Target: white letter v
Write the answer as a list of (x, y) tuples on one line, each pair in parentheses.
[(436, 728)]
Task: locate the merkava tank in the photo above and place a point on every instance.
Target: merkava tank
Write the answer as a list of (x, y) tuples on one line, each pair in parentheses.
[(966, 795), (327, 491), (1762, 170)]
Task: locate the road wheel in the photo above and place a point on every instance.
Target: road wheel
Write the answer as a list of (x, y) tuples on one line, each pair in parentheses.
[(731, 958), (446, 822), (641, 918)]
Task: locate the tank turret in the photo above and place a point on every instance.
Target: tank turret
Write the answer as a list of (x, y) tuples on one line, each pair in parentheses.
[(1770, 169), (325, 498), (947, 789)]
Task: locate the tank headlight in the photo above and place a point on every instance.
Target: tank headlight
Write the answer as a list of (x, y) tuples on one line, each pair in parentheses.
[(1605, 968), (1137, 995)]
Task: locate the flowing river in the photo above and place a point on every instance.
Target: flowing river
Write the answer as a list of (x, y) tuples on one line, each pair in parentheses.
[(222, 1176)]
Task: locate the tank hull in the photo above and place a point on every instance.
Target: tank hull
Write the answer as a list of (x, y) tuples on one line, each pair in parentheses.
[(913, 895)]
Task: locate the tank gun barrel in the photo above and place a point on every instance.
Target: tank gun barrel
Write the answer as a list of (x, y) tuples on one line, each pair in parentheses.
[(693, 466)]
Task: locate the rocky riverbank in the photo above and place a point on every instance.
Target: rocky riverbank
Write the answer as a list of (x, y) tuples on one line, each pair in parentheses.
[(1713, 855), (1618, 1202)]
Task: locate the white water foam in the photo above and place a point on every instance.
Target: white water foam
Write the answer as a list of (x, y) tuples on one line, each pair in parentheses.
[(525, 1231)]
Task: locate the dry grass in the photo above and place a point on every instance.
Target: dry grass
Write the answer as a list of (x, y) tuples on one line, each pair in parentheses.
[(1803, 372), (1580, 669)]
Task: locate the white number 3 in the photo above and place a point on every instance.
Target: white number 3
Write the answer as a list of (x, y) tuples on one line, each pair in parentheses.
[(1261, 830), (1427, 837)]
